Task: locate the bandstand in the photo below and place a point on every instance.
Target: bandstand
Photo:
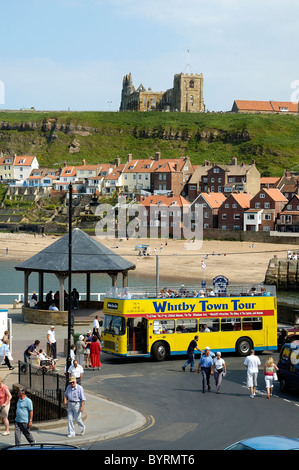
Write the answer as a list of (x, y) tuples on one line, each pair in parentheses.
[(88, 257)]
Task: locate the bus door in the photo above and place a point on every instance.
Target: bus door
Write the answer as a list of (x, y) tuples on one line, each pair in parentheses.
[(136, 335)]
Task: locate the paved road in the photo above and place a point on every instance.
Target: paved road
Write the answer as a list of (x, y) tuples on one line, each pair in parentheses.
[(180, 416)]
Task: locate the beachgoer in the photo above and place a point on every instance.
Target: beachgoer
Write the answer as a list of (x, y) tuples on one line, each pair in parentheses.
[(75, 370), (51, 343), (269, 369), (80, 347), (219, 369), (95, 351)]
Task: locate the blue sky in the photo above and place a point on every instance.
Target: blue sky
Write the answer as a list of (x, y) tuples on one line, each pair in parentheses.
[(74, 53)]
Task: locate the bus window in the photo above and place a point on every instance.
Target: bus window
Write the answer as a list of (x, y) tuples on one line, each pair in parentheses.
[(114, 325), (186, 326), (252, 323), (230, 324), (163, 326), (209, 325)]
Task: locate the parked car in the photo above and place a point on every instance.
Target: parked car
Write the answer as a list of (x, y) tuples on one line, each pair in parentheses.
[(266, 443), (288, 365), (286, 335)]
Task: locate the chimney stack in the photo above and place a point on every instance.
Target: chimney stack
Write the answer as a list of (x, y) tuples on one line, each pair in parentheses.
[(158, 156)]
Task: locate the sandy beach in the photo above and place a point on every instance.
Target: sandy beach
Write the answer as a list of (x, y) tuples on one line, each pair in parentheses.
[(240, 262)]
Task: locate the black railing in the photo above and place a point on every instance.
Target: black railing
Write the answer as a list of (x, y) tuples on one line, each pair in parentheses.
[(46, 390)]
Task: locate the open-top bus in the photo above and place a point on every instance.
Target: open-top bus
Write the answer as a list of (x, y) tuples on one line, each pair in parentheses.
[(156, 324)]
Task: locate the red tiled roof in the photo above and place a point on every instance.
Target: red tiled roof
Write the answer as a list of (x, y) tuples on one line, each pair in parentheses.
[(254, 105), (275, 194), (214, 199), (166, 200)]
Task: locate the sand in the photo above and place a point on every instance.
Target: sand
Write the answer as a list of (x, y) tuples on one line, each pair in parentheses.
[(240, 262)]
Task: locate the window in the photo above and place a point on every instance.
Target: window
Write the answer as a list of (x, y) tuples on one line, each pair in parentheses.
[(237, 216), (216, 170), (257, 205), (266, 216), (262, 195), (230, 324), (186, 326), (252, 323), (223, 216), (226, 206), (209, 324), (163, 326), (267, 205)]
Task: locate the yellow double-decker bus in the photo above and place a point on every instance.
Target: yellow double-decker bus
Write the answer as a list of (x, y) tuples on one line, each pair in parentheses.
[(152, 324)]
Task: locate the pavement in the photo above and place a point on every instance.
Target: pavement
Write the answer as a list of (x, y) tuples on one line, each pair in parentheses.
[(103, 418)]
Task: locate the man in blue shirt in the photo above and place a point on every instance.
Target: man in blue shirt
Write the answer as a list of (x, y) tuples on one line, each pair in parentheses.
[(205, 363), (74, 397), (24, 417)]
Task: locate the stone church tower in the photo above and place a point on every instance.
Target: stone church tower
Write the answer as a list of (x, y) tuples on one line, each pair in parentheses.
[(186, 96), (188, 93), (127, 90)]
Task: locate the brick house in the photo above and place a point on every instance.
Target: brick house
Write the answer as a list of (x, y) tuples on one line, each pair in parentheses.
[(231, 211), (164, 213), (288, 219), (210, 207), (172, 175), (225, 179), (265, 207)]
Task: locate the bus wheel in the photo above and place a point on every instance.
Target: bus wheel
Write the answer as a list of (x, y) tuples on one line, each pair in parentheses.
[(243, 346), (159, 351)]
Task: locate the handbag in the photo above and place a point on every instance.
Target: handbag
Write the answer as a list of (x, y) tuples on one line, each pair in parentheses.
[(275, 377)]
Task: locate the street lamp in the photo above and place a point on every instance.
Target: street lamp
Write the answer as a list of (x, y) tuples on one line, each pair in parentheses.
[(70, 323)]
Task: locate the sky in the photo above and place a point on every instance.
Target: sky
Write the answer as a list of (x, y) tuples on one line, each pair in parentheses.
[(73, 54)]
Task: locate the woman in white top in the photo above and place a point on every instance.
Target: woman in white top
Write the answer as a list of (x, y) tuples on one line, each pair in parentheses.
[(219, 369)]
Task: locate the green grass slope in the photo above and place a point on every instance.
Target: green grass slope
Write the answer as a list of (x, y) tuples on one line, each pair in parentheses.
[(271, 140)]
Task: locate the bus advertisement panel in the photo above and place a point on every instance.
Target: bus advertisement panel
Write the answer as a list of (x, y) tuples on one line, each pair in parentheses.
[(234, 323)]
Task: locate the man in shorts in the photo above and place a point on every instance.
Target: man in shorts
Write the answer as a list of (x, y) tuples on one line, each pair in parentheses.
[(252, 364)]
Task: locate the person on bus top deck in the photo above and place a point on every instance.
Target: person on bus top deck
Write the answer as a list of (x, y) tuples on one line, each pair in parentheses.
[(127, 295)]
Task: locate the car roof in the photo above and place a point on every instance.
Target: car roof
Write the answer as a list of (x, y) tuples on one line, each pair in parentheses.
[(271, 443)]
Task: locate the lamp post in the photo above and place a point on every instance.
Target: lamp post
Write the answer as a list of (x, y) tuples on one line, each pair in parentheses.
[(70, 323)]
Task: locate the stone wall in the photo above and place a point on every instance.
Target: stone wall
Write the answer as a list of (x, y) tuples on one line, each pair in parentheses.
[(283, 273)]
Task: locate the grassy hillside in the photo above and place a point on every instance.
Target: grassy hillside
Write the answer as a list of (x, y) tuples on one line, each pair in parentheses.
[(271, 140)]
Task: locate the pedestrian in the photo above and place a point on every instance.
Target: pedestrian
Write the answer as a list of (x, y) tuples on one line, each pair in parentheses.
[(269, 369), (219, 369), (96, 327), (80, 347), (74, 397), (205, 364), (95, 351), (51, 343), (75, 370), (87, 341), (30, 352), (75, 299), (5, 354), (190, 354), (5, 398), (252, 363), (24, 415)]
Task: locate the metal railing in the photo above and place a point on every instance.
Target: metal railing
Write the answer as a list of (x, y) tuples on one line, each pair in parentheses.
[(184, 291)]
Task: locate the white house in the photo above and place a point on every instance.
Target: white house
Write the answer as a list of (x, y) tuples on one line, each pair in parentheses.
[(23, 167)]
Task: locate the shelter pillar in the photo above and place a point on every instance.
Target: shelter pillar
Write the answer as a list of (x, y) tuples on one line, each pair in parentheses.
[(114, 279), (87, 289), (40, 287), (125, 279), (61, 279), (26, 290)]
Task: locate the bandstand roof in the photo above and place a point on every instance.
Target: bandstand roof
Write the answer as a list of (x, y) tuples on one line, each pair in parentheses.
[(88, 256)]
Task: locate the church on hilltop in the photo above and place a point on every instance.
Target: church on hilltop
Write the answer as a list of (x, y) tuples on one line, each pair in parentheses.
[(186, 96)]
